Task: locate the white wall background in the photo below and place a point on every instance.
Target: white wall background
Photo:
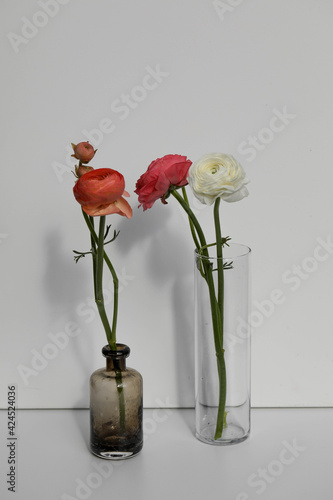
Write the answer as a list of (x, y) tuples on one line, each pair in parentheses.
[(227, 71)]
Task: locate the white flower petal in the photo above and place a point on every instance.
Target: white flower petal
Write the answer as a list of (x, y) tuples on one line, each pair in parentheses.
[(217, 175), (236, 195)]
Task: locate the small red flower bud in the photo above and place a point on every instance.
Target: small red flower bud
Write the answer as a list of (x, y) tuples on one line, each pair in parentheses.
[(82, 169), (83, 152)]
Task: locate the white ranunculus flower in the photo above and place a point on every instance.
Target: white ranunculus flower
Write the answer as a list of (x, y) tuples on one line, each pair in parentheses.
[(217, 175)]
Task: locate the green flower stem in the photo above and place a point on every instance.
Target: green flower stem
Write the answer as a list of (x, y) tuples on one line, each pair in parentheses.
[(112, 338), (220, 300), (120, 390), (216, 309), (208, 275), (219, 255), (215, 302), (110, 335), (99, 298), (194, 236), (193, 220), (99, 255), (94, 254), (222, 373)]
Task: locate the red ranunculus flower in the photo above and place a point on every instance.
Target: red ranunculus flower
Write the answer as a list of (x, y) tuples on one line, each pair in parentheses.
[(100, 191), (171, 170)]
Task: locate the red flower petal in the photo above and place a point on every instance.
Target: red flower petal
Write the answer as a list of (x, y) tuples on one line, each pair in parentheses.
[(160, 176)]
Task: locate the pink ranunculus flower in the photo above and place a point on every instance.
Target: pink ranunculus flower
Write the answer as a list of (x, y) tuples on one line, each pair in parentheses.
[(171, 170)]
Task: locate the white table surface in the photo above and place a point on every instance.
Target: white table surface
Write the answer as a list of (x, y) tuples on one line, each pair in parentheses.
[(288, 456)]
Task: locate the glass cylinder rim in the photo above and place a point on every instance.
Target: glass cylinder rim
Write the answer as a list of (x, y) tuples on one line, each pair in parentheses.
[(122, 351), (246, 251)]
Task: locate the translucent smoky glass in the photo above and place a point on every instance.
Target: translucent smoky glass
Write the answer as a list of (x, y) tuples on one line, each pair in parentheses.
[(116, 407)]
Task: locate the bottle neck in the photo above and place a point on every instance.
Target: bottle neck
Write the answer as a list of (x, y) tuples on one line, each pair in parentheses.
[(115, 364), (116, 359)]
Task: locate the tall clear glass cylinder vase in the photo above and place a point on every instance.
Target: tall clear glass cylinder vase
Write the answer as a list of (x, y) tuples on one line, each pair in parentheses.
[(223, 367)]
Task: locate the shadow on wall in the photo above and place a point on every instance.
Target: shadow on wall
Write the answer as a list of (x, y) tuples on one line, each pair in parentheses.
[(141, 227), (152, 234), (149, 236), (63, 279), (168, 263), (183, 331), (63, 283)]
